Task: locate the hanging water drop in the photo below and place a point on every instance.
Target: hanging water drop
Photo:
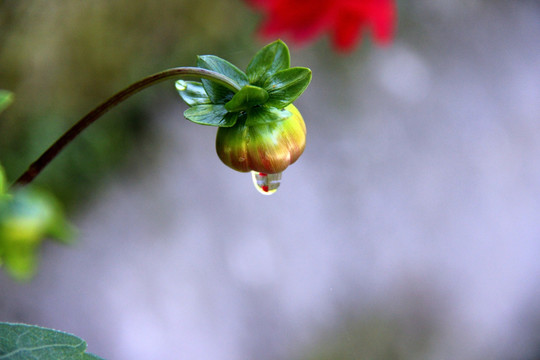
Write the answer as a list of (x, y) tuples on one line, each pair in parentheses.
[(266, 184), (181, 85)]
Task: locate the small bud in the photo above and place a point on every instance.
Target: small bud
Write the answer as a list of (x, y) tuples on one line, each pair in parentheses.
[(268, 148)]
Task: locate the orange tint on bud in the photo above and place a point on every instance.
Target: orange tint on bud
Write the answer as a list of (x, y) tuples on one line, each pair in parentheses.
[(267, 148)]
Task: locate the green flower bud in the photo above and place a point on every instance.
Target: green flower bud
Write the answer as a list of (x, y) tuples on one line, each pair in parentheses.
[(267, 148)]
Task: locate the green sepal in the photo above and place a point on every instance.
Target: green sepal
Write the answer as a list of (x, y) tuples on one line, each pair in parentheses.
[(219, 94), (246, 98), (6, 98), (211, 115), (286, 86), (260, 115), (192, 92), (268, 61)]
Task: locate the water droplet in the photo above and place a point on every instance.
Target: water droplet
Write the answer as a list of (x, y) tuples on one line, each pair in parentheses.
[(266, 184), (181, 85)]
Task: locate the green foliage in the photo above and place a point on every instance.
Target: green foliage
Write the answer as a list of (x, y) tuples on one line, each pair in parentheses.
[(268, 86), (260, 115), (192, 92), (6, 98), (272, 58), (210, 114), (219, 94), (286, 85), (63, 59), (248, 97), (27, 216), (22, 342)]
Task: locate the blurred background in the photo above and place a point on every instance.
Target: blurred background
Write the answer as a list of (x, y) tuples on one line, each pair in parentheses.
[(409, 229)]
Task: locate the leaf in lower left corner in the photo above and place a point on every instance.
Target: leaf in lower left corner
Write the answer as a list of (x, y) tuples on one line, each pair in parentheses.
[(21, 341)]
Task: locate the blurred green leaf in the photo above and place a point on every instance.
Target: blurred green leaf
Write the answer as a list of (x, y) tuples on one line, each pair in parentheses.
[(211, 115), (6, 98), (219, 94), (268, 61), (22, 342), (286, 86), (192, 92), (246, 98), (27, 217)]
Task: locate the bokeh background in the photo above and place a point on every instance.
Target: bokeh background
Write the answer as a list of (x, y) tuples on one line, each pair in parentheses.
[(409, 229)]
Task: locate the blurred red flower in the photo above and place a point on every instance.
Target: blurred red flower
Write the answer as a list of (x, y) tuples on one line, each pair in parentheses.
[(303, 20)]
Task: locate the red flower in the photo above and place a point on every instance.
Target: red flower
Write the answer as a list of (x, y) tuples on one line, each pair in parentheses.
[(303, 20)]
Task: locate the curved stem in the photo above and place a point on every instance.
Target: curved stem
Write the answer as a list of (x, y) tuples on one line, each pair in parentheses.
[(180, 72)]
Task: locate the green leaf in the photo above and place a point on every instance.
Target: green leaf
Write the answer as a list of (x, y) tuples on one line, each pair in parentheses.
[(219, 94), (268, 61), (286, 86), (6, 98), (246, 98), (27, 217), (21, 262), (31, 214), (211, 115), (192, 92), (263, 115), (22, 342)]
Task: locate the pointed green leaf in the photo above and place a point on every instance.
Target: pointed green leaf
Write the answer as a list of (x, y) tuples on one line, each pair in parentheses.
[(263, 115), (6, 98), (192, 92), (21, 342), (268, 61), (286, 86), (211, 115), (246, 98), (219, 94)]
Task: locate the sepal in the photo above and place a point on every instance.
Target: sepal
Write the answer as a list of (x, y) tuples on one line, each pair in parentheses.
[(268, 86), (260, 115), (268, 61), (286, 86), (211, 115), (218, 93), (192, 92), (248, 97)]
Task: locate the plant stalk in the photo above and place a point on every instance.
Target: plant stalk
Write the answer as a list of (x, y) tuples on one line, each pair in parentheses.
[(175, 73)]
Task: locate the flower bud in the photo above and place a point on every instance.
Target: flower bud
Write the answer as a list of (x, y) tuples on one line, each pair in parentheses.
[(268, 148)]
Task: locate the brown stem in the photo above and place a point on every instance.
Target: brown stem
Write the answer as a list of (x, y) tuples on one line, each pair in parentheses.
[(37, 166)]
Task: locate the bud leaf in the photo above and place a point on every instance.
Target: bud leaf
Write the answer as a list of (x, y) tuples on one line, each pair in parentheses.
[(211, 115), (268, 61), (286, 86), (192, 92), (218, 93), (246, 98), (263, 115)]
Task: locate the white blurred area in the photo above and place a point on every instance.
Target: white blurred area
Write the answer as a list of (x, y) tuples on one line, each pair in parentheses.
[(417, 200)]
